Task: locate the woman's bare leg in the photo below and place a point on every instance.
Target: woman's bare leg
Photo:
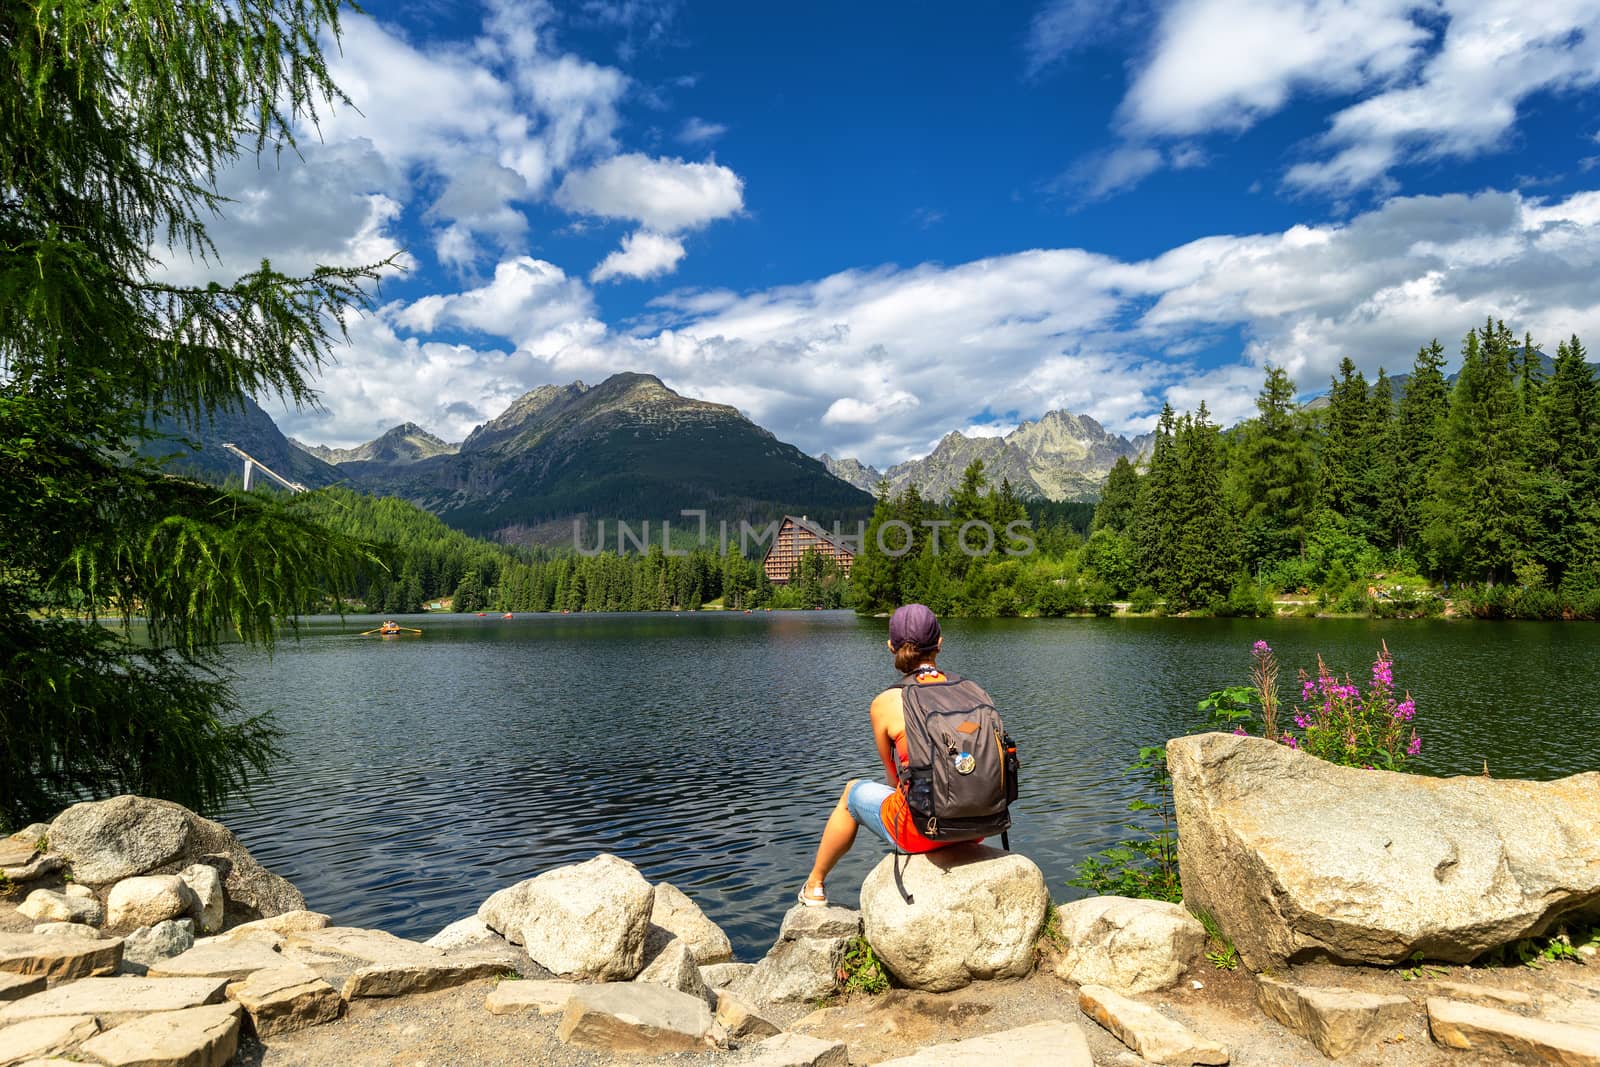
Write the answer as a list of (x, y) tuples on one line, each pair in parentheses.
[(837, 837)]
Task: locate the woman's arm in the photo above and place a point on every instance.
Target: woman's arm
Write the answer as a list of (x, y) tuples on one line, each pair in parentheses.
[(884, 714)]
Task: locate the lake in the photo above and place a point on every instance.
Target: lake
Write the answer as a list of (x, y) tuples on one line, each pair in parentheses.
[(427, 772)]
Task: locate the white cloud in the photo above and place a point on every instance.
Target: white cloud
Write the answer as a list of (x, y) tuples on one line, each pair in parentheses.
[(876, 363), (529, 301), (1436, 79), (698, 131), (643, 255), (665, 195), (1465, 98)]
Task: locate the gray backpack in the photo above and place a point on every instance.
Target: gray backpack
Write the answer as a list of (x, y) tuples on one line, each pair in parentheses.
[(961, 775)]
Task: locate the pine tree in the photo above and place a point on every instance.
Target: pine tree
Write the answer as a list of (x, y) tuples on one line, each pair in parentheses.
[(1381, 478), (1346, 449), (1119, 499), (1272, 478), (1424, 410), (1477, 514), (1206, 559), (1155, 525), (1566, 455)]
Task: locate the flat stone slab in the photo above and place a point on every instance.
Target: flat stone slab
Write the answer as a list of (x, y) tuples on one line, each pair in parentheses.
[(422, 976), (1336, 1020), (231, 959), (290, 922), (635, 1017), (288, 997), (59, 957), (116, 1000), (797, 1050), (1048, 1044), (1501, 1035), (370, 946), (17, 986), (1482, 994), (45, 1037), (35, 865), (524, 996), (193, 1037), (1146, 1031)]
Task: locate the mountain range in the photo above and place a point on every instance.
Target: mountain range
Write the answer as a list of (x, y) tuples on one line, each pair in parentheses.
[(1060, 456), (627, 448), (632, 448)]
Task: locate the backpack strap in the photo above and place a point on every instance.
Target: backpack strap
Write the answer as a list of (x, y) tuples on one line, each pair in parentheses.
[(899, 882), (950, 678)]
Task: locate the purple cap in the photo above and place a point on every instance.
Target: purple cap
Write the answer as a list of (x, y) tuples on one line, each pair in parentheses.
[(914, 623)]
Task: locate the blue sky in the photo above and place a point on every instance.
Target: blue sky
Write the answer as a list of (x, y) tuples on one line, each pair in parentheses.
[(866, 225)]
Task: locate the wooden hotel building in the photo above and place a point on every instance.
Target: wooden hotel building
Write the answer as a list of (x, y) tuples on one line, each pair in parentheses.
[(795, 538)]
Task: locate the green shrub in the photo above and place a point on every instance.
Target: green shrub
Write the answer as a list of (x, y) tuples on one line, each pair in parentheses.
[(861, 970), (1144, 600)]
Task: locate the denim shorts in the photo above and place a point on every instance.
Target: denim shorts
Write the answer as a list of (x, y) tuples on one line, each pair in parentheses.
[(865, 802)]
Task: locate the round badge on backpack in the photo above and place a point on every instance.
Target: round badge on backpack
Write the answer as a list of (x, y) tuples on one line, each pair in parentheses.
[(965, 763)]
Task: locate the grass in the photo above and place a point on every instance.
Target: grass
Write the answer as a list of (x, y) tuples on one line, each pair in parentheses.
[(1050, 933), (1222, 955), (861, 971)]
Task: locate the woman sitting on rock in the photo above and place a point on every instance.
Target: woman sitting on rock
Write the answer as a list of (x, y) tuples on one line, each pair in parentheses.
[(915, 640)]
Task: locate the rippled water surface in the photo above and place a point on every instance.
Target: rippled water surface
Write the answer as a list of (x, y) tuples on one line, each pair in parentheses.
[(426, 772)]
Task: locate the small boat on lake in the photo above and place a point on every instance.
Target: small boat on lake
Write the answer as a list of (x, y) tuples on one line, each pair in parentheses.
[(390, 628)]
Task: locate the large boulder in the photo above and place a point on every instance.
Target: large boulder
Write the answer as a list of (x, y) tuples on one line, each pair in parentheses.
[(677, 914), (588, 920), (803, 964), (975, 915), (1298, 859), (1128, 945), (109, 840)]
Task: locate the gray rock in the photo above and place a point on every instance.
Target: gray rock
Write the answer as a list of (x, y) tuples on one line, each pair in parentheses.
[(115, 1000), (147, 900), (77, 930), (739, 1021), (673, 966), (1338, 1021), (298, 921), (635, 1017), (1378, 865), (76, 889), (828, 921), (1502, 1037), (804, 962), (1046, 1044), (22, 865), (465, 933), (588, 920), (150, 945), (38, 1038), (109, 840), (48, 906), (1131, 946), (796, 1050), (676, 913), (1146, 1031), (286, 998), (722, 975), (975, 915), (59, 957), (522, 996), (206, 884), (230, 959), (191, 1037), (373, 963)]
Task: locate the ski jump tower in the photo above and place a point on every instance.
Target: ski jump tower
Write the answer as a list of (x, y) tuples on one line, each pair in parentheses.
[(251, 464)]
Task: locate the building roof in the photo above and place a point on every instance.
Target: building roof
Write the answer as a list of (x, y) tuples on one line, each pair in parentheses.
[(818, 532)]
